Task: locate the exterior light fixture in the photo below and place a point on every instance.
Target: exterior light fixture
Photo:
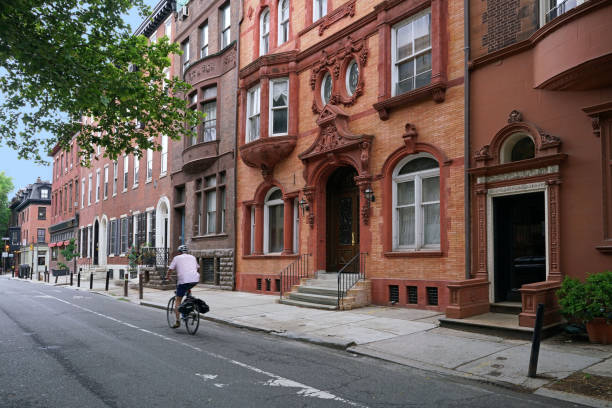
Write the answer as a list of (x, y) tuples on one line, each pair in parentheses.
[(304, 205), (369, 195)]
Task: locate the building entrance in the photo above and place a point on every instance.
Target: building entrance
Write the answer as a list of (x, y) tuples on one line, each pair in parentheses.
[(520, 243), (342, 215), (96, 233)]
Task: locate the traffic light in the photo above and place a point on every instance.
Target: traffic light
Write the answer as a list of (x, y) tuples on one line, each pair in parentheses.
[(6, 247)]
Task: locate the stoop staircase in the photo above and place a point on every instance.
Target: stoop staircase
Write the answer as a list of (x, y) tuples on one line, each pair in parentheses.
[(322, 293)]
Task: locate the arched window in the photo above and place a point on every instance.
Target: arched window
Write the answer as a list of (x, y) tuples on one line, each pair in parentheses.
[(352, 78), (283, 21), (274, 212), (416, 203), (264, 30), (518, 146), (326, 88)]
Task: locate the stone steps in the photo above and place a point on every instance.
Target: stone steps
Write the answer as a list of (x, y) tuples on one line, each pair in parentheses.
[(307, 304)]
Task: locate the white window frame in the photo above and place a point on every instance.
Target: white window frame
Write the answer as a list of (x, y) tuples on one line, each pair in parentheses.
[(252, 229), (168, 29), (105, 187), (204, 40), (272, 108), (296, 226), (149, 165), (185, 56), (264, 35), (97, 185), (115, 176), (153, 37), (164, 155), (253, 96), (210, 213), (126, 170), (282, 23), (417, 177), (267, 205), (82, 193), (414, 56), (89, 188), (208, 120), (319, 9), (545, 9), (136, 170), (225, 23)]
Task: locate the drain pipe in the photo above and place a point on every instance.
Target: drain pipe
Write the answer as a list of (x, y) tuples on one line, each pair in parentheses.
[(466, 138)]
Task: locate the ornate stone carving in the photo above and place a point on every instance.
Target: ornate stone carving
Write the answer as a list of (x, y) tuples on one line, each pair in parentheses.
[(515, 116), (250, 13), (410, 136), (549, 141), (596, 126), (438, 94), (309, 196), (347, 9), (482, 154)]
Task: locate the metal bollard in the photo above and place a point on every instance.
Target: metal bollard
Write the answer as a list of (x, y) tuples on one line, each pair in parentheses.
[(79, 279), (107, 277), (140, 289), (125, 284), (71, 278), (535, 345), (90, 280)]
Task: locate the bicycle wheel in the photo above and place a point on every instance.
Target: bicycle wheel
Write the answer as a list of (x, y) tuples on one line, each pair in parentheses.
[(192, 322), (170, 315)]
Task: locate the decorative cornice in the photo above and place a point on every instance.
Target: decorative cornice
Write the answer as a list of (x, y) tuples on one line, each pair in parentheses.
[(267, 60), (212, 65), (522, 165)]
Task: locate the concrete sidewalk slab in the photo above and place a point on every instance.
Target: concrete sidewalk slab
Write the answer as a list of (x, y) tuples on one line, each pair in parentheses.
[(604, 369)]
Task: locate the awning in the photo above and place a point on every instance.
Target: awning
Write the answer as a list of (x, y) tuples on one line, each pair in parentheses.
[(51, 245), (66, 242)]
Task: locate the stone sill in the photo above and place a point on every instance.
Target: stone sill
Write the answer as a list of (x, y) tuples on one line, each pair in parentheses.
[(270, 256), (209, 236), (435, 91), (414, 254)]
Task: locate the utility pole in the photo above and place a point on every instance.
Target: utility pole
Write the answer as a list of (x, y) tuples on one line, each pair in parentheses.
[(5, 253)]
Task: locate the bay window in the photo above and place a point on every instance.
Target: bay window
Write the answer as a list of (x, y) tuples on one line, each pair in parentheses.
[(264, 32), (185, 56), (279, 106), (416, 203), (283, 21), (209, 108), (411, 53), (225, 25), (204, 40)]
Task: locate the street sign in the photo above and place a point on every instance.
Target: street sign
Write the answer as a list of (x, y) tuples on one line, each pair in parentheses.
[(5, 254), (10, 255)]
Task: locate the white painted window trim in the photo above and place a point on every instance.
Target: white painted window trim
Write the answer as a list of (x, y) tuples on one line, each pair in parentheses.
[(394, 61), (204, 40), (226, 18), (418, 204), (256, 92), (296, 226), (267, 205), (89, 189), (315, 9), (97, 185), (164, 156), (282, 22), (136, 170), (272, 109), (83, 192), (252, 229), (264, 35), (105, 185)]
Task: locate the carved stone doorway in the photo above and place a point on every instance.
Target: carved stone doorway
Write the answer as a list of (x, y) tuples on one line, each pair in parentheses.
[(342, 218)]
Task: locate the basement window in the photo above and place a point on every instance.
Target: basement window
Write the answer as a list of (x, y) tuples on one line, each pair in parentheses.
[(432, 296), (258, 283), (393, 294), (268, 285), (412, 292)]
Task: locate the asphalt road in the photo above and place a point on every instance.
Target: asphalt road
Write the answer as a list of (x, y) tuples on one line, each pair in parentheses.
[(65, 348)]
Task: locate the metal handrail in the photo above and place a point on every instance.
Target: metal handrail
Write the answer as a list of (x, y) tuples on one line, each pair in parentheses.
[(351, 273), (292, 273)]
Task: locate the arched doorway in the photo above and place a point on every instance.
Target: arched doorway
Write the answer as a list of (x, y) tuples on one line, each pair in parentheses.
[(342, 218), (96, 241), (162, 223), (102, 253)]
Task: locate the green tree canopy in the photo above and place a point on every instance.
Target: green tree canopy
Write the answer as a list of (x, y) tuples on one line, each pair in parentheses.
[(6, 185), (61, 60)]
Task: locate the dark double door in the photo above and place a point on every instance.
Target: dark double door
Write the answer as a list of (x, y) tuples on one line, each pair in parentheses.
[(520, 243), (342, 215)]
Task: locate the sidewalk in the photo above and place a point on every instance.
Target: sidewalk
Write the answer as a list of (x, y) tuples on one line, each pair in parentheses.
[(411, 337)]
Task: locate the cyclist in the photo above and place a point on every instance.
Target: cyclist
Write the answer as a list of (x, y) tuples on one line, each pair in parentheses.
[(187, 276)]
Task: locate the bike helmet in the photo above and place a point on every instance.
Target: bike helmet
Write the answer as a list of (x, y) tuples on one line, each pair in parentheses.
[(183, 249)]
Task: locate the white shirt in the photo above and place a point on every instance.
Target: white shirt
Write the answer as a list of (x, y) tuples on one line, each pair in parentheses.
[(186, 268)]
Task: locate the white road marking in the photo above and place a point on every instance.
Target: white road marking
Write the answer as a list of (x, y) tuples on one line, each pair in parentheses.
[(220, 385), (276, 380), (207, 376)]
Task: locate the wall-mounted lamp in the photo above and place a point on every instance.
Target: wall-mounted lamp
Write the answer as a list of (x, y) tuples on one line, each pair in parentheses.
[(304, 205), (369, 195)]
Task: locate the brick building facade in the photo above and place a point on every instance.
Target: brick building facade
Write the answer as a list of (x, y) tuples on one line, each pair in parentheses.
[(203, 175), (31, 207), (541, 131), (350, 136)]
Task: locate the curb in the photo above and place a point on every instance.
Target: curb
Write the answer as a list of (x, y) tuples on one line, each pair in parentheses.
[(578, 399)]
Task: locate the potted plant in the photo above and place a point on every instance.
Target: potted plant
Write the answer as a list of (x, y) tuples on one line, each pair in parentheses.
[(589, 302)]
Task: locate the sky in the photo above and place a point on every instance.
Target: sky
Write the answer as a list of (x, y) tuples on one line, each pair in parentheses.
[(24, 172)]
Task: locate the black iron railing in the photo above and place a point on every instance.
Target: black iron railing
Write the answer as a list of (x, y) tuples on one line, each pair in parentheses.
[(562, 8), (155, 257), (351, 273), (291, 274)]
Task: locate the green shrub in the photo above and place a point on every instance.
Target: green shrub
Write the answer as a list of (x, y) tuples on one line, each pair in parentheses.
[(588, 300)]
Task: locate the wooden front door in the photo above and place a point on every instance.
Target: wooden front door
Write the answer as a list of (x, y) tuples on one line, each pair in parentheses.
[(342, 218)]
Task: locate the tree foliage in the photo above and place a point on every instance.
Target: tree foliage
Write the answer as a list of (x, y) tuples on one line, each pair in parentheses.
[(6, 185), (61, 60)]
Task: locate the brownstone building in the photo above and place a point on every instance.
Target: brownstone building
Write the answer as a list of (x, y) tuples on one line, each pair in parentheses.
[(540, 157), (350, 136), (203, 167)]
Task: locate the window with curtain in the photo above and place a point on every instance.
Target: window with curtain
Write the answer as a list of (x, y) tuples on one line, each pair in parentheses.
[(209, 123), (225, 25), (279, 106), (204, 40), (283, 21), (274, 212), (252, 126), (264, 32), (319, 9), (416, 203), (411, 53)]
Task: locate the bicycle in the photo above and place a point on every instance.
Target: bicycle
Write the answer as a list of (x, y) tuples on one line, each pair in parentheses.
[(191, 315)]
